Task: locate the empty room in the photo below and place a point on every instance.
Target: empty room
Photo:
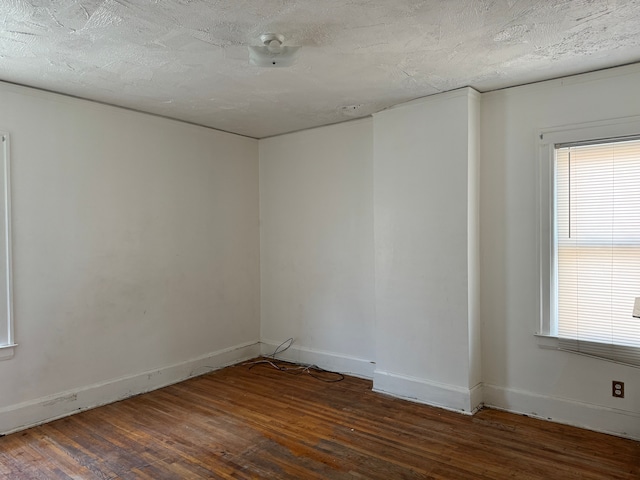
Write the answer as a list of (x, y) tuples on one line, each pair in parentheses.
[(320, 239)]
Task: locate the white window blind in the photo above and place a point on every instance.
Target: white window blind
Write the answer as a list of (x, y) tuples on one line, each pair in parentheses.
[(597, 248)]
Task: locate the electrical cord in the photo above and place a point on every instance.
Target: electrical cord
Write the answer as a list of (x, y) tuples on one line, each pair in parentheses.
[(288, 342), (314, 371)]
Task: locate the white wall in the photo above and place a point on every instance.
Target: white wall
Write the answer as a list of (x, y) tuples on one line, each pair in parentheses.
[(518, 374), (316, 217), (136, 250), (425, 204)]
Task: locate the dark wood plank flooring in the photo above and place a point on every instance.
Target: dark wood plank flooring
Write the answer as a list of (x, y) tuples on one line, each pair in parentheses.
[(263, 423)]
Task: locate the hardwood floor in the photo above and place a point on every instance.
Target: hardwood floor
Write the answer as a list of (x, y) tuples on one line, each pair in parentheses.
[(263, 423)]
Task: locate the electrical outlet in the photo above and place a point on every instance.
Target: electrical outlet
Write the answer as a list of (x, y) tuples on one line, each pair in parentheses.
[(617, 389)]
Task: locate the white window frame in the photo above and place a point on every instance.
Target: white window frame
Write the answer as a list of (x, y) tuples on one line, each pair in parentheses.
[(7, 340), (547, 139)]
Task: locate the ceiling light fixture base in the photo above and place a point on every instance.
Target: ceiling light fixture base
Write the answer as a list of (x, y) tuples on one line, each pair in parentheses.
[(267, 38), (271, 53)]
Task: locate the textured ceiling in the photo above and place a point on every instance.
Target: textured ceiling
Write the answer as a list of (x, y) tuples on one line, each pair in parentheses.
[(187, 59)]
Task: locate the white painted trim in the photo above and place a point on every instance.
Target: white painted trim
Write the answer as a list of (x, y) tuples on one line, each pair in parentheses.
[(34, 412), (547, 342), (561, 410), (6, 232), (7, 236), (436, 97), (476, 395), (587, 131), (7, 351), (563, 81), (449, 397), (51, 95), (340, 123), (336, 362)]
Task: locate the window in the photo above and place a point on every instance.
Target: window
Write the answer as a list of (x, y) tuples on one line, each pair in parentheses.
[(6, 310), (591, 253)]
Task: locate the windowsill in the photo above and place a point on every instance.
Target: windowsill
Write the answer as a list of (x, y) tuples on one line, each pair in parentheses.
[(547, 342), (6, 351)]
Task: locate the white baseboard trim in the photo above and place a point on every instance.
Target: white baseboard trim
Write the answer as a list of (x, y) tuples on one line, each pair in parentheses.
[(561, 410), (335, 362), (449, 397), (35, 412)]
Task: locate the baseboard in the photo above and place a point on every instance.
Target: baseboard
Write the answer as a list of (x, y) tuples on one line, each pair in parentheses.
[(561, 410), (35, 412), (336, 362), (450, 397)]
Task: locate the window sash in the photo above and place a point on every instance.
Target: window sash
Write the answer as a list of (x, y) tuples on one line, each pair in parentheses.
[(597, 248)]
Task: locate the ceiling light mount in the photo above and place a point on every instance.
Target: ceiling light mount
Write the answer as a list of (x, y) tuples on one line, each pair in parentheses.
[(272, 53), (267, 38)]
